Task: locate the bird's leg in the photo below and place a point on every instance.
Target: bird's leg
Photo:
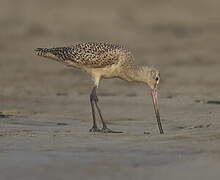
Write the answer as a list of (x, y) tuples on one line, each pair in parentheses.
[(94, 126), (104, 128)]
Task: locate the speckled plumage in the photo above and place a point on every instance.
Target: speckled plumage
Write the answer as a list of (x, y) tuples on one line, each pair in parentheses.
[(93, 55)]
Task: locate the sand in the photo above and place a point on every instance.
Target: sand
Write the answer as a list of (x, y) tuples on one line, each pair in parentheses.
[(45, 113)]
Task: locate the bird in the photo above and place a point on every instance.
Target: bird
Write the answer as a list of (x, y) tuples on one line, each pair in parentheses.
[(104, 60)]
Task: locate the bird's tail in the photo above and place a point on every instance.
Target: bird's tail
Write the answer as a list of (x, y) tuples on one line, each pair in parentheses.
[(58, 54), (44, 52)]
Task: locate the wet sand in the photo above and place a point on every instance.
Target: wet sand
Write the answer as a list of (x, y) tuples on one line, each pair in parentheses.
[(44, 107)]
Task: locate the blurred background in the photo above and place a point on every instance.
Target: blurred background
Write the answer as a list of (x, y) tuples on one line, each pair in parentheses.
[(181, 38)]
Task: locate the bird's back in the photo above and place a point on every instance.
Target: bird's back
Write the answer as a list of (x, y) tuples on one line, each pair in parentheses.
[(94, 55)]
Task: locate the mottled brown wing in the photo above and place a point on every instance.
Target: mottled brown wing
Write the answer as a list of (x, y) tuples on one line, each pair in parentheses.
[(101, 60), (94, 55)]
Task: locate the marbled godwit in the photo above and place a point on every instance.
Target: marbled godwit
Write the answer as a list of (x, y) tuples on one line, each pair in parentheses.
[(103, 60)]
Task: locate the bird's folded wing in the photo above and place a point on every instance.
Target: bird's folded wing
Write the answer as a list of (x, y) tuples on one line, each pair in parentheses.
[(98, 60), (93, 55)]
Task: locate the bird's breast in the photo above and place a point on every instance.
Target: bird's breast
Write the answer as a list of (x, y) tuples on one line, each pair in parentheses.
[(106, 72)]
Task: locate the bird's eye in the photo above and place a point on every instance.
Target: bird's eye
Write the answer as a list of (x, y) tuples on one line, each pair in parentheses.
[(157, 78)]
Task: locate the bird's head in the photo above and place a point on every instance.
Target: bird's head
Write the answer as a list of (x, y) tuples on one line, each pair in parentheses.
[(154, 78), (151, 76)]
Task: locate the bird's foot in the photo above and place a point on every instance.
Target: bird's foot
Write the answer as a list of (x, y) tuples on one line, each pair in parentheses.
[(95, 129), (107, 130)]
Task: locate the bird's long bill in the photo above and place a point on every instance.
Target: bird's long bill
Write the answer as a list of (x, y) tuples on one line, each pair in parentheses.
[(156, 109)]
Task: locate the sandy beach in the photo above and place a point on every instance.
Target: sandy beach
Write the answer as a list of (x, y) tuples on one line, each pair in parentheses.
[(45, 115)]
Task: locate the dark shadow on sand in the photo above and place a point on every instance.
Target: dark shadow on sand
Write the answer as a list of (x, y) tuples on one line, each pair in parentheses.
[(4, 115), (213, 102)]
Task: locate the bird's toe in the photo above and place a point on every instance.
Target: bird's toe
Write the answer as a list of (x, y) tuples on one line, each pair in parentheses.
[(107, 130), (95, 129)]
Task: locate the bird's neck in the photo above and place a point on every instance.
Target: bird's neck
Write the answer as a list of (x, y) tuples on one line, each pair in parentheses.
[(138, 73)]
